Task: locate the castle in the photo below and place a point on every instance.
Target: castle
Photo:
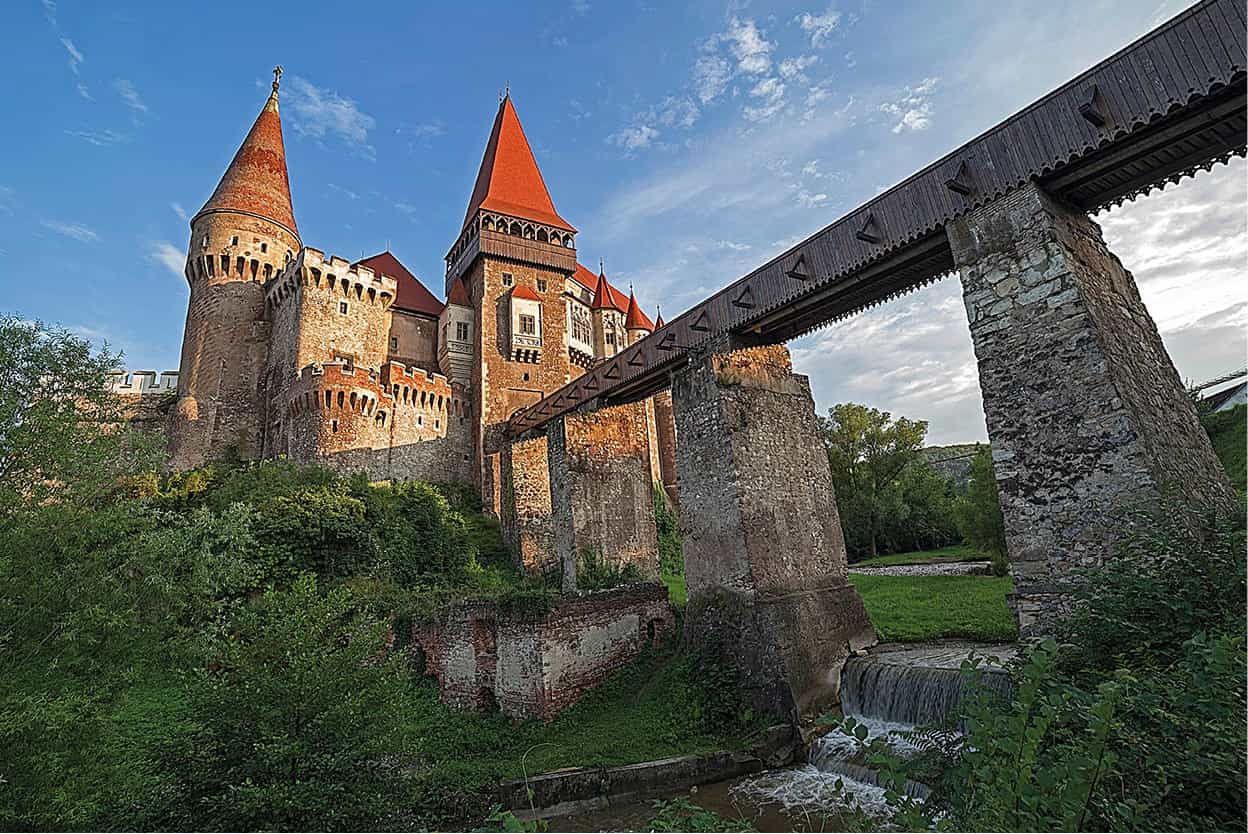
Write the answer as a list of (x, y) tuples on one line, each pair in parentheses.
[(358, 366)]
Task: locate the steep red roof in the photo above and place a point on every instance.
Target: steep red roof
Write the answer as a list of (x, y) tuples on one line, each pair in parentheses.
[(521, 291), (602, 293), (256, 181), (509, 180), (610, 297), (658, 319), (459, 294), (635, 319), (411, 294)]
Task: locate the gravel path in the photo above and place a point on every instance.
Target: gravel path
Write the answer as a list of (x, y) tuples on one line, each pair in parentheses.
[(935, 569)]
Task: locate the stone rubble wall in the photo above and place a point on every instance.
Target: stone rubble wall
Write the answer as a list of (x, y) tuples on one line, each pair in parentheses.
[(1086, 413), (525, 514)]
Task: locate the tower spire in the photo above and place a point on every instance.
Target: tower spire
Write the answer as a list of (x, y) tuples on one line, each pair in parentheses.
[(256, 181)]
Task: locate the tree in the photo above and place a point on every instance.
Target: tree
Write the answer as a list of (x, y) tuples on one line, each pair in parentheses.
[(295, 721), (867, 451), (978, 513), (62, 433)]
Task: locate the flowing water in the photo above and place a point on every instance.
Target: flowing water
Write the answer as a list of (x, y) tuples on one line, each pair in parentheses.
[(888, 692)]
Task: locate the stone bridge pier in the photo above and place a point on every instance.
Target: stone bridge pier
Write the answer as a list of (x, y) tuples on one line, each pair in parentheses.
[(764, 553), (524, 503), (1086, 413), (601, 490)]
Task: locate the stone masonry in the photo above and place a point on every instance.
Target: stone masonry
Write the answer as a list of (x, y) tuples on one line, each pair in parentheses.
[(601, 490), (524, 476), (764, 554), (1086, 414)]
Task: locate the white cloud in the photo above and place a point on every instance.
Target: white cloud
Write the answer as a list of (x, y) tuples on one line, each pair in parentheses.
[(677, 111), (77, 231), (84, 92), (711, 75), (49, 10), (129, 95), (819, 26), (100, 138), (169, 256), (794, 69), (913, 109), (180, 212), (733, 246), (319, 112), (808, 200), (770, 95), (748, 46), (75, 57), (634, 138)]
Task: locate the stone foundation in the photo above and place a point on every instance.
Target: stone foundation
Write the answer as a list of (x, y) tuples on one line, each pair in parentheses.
[(536, 666), (1086, 413), (601, 490), (764, 554)]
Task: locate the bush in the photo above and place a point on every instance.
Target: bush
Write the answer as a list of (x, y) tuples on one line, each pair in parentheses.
[(667, 522)]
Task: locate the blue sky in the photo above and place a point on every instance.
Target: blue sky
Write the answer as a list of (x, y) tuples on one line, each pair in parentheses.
[(688, 143)]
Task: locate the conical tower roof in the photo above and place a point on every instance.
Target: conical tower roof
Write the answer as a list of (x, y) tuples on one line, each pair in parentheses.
[(658, 318), (509, 180), (256, 181), (634, 319), (602, 293)]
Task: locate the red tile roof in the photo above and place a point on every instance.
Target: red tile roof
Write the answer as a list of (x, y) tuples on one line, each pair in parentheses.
[(612, 297), (256, 180), (521, 291), (509, 180), (635, 319), (411, 294), (459, 294)]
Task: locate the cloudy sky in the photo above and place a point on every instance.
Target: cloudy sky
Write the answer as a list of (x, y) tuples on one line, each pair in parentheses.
[(689, 143)]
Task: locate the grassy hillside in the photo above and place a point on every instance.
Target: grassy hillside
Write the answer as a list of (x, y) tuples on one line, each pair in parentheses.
[(1228, 430)]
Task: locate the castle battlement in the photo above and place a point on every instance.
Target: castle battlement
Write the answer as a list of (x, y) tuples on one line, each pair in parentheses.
[(312, 269), (143, 383)]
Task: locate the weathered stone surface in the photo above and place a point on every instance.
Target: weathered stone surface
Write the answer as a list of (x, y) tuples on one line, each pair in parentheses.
[(1086, 414), (764, 554), (537, 666), (526, 516), (601, 490)]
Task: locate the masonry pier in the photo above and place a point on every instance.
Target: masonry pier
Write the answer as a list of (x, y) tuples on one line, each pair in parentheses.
[(1086, 413), (601, 490), (764, 553), (525, 504)]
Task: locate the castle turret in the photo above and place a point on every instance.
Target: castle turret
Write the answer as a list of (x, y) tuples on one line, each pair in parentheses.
[(636, 323), (455, 326), (608, 317), (242, 237)]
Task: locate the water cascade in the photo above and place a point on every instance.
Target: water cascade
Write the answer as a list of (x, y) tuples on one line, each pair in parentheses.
[(888, 693)]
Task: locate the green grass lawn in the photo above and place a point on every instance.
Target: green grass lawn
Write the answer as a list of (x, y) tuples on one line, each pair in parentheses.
[(952, 553), (916, 608)]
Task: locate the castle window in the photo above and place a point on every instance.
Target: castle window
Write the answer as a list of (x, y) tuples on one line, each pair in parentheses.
[(507, 279), (528, 325), (234, 241), (342, 307), (394, 342), (420, 421), (333, 426), (541, 285), (437, 424), (204, 244), (264, 247), (461, 331), (526, 376), (611, 339)]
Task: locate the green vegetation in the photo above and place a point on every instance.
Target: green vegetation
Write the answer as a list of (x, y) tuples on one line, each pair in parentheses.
[(916, 608), (889, 498), (676, 590), (214, 650), (1228, 431), (978, 513), (680, 814), (1132, 719), (671, 554), (942, 555)]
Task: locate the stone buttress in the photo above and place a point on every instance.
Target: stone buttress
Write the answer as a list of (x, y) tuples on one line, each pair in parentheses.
[(764, 553), (1086, 413)]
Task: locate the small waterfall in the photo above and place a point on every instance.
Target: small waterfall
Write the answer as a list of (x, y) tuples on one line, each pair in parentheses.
[(888, 693)]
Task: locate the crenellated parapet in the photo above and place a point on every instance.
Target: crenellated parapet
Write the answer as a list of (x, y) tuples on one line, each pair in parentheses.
[(332, 276)]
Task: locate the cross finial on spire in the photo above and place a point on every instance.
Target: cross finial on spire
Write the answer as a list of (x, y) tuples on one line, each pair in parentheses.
[(507, 89), (601, 268), (277, 76)]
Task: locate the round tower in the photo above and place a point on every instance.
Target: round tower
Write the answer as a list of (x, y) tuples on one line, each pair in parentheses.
[(240, 239)]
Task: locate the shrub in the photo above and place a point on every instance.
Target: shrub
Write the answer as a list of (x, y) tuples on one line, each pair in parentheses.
[(667, 523)]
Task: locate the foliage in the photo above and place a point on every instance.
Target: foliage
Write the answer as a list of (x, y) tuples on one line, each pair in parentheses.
[(1228, 432), (594, 572), (915, 608), (679, 814), (677, 590), (62, 434), (978, 512), (1134, 721), (888, 497), (293, 722), (667, 522)]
